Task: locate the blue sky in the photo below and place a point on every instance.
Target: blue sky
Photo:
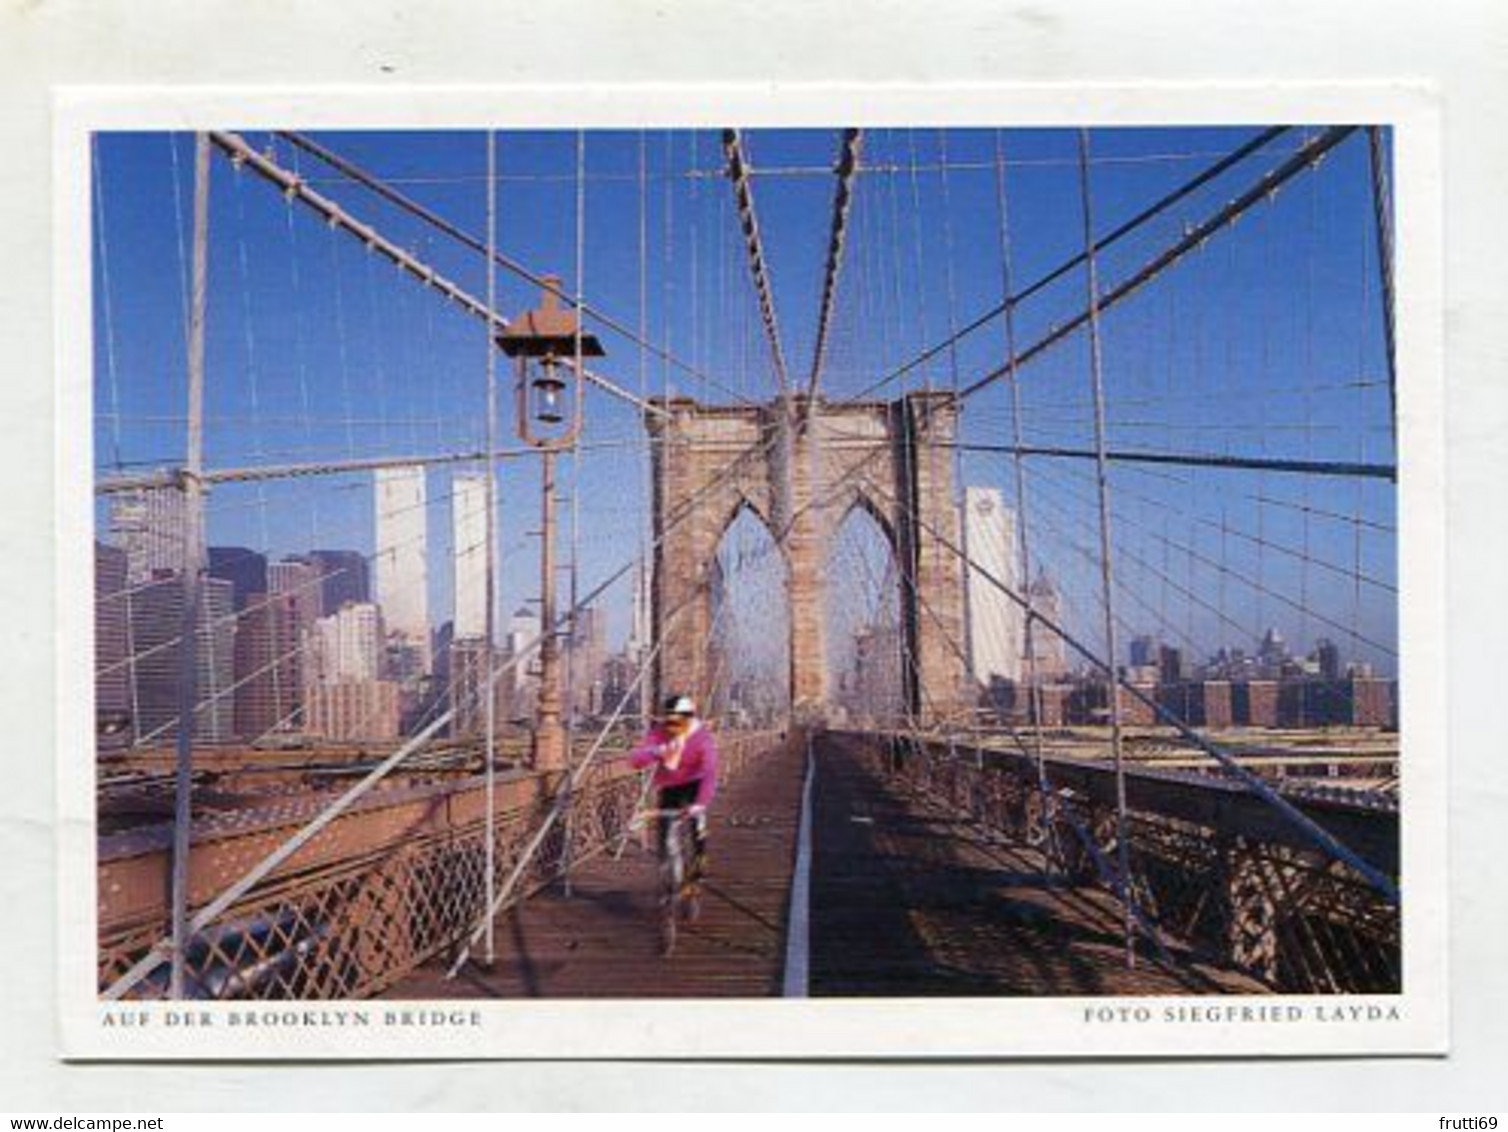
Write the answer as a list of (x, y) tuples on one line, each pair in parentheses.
[(1266, 342)]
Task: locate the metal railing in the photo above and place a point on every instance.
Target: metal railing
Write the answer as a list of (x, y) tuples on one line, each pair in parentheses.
[(391, 885), (1223, 882)]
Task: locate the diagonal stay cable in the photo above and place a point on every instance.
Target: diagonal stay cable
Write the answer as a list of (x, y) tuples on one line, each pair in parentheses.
[(1156, 208), (385, 190), (1311, 828), (296, 188), (159, 952), (497, 901), (1303, 159), (1342, 468)]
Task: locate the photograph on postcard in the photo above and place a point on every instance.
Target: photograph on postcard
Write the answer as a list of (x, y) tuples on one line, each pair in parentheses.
[(836, 563)]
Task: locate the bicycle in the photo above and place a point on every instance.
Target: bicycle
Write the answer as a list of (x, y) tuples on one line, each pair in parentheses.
[(680, 895)]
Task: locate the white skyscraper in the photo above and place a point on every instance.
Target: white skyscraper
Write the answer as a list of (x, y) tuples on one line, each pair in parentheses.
[(149, 524), (995, 621), (523, 635), (469, 517), (401, 559), (640, 632), (349, 644)]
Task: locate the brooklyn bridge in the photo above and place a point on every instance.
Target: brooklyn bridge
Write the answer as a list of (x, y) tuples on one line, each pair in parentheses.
[(1017, 505)]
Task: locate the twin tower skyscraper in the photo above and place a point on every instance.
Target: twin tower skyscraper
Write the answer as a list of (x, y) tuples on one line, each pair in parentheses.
[(401, 562)]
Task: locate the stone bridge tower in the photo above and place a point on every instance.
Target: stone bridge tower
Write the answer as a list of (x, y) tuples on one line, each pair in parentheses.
[(801, 466)]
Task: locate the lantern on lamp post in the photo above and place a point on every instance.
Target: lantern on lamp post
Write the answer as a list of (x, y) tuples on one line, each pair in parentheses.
[(548, 347)]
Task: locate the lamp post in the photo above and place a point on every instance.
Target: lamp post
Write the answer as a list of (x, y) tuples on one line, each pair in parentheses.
[(547, 346)]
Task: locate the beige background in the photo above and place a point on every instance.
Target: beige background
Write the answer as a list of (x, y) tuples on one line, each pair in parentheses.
[(1462, 47)]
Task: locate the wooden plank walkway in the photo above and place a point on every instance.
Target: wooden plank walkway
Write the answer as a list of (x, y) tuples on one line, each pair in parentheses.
[(907, 900), (603, 941)]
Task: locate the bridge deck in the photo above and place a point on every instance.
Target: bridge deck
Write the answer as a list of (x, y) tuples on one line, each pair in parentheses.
[(603, 941), (905, 900), (908, 900)]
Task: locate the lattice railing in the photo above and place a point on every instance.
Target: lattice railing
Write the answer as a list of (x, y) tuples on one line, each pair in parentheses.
[(390, 894), (1226, 881)]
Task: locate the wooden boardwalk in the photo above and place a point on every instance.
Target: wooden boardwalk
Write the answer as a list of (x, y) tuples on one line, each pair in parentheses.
[(909, 900), (905, 900), (604, 942)]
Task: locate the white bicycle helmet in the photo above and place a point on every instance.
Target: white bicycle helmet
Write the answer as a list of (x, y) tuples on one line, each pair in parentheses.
[(679, 705)]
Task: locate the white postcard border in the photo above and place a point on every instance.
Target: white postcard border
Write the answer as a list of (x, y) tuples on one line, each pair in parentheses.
[(1412, 1022)]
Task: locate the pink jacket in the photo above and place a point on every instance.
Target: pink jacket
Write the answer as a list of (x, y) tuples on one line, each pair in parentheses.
[(698, 762)]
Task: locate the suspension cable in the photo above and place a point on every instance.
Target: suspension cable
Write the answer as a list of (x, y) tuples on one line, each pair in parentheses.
[(1303, 159), (384, 190), (1107, 582), (296, 188), (1033, 683), (748, 220), (1382, 206), (1147, 214), (846, 171)]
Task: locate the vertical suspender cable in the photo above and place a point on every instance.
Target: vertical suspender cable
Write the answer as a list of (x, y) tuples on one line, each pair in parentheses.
[(640, 601), (1029, 657), (193, 555), (1107, 581), (490, 533), (110, 369), (667, 262), (573, 642), (971, 646)]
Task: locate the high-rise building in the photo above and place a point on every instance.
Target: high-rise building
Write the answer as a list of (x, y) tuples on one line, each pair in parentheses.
[(1171, 667), (522, 650), (300, 580), (150, 524), (1327, 659), (588, 654), (400, 562), (354, 710), (618, 676), (1272, 653), (343, 577), (156, 630), (875, 686), (349, 645), (1049, 657), (112, 647), (244, 569), (523, 636), (468, 679), (994, 619), (640, 631), (269, 667), (469, 554), (1143, 651)]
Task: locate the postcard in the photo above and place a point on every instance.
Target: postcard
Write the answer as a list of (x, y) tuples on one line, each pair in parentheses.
[(672, 572)]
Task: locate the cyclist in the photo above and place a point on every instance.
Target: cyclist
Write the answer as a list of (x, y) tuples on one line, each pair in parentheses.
[(681, 749)]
